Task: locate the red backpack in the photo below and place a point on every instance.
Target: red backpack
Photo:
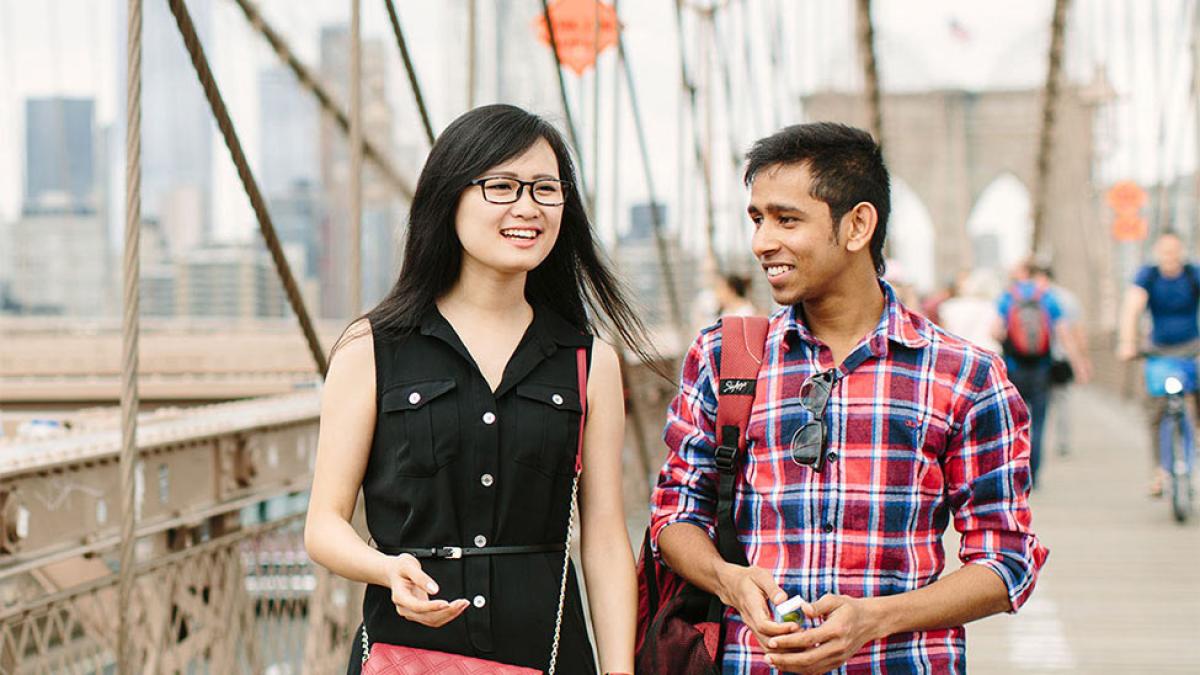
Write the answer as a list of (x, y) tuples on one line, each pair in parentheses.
[(679, 628), (1027, 325)]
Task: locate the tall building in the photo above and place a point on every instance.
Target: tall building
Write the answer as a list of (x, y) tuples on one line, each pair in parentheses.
[(378, 198), (380, 259), (59, 263), (156, 283), (60, 156), (297, 214), (229, 280), (177, 128), (522, 66), (641, 269), (288, 132)]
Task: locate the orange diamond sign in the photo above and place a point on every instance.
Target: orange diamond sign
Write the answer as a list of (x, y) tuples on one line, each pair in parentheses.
[(575, 31), (1126, 198)]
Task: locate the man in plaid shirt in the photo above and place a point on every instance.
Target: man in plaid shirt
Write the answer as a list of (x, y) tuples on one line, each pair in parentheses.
[(871, 428)]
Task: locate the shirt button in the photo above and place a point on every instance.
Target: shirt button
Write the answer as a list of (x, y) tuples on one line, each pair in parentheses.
[(489, 418), (479, 601), (833, 456), (414, 398), (828, 528), (558, 400), (487, 480), (480, 541)]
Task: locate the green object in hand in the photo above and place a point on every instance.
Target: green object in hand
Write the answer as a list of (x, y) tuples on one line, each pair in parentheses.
[(791, 609)]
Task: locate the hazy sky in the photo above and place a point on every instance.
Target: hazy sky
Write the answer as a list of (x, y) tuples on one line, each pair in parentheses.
[(69, 47)]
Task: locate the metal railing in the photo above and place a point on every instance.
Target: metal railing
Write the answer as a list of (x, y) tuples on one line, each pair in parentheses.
[(245, 601)]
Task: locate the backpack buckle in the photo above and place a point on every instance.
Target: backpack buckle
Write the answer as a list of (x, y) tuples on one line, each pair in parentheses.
[(724, 458)]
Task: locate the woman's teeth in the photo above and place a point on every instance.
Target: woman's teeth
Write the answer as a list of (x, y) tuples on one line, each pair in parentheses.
[(520, 234)]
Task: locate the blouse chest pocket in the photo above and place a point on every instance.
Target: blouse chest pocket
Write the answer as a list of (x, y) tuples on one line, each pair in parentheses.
[(419, 421), (548, 420)]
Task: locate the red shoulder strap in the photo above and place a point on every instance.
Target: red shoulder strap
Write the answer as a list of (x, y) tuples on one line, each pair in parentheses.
[(582, 367), (743, 339)]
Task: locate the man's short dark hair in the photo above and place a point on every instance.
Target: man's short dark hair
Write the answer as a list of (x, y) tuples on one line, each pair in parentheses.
[(846, 166)]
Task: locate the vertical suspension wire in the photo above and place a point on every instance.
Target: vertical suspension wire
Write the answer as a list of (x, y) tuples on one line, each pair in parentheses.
[(126, 659), (356, 157), (870, 68), (1168, 149), (674, 306), (376, 154), (566, 102), (595, 172), (1195, 27), (1046, 135), (634, 409), (472, 51), (702, 155), (1186, 44)]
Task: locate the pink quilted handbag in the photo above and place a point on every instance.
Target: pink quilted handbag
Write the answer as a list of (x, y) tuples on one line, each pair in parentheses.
[(396, 660)]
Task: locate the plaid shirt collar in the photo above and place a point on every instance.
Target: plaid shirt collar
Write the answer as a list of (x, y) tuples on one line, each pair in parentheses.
[(896, 324)]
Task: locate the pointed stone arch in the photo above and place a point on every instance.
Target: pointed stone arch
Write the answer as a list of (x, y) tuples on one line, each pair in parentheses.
[(911, 235), (1000, 224)]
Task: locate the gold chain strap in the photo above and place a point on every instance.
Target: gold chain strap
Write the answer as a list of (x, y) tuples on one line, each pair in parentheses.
[(562, 589)]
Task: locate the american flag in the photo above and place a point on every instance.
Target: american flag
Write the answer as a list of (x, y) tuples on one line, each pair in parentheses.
[(957, 30)]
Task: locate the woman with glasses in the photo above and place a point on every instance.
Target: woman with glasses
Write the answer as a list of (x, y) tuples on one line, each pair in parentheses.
[(455, 405)]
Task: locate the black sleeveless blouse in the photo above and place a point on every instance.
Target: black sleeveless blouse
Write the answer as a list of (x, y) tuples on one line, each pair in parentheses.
[(454, 464)]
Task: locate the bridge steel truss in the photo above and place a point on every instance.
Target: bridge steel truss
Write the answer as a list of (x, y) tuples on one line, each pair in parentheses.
[(220, 575)]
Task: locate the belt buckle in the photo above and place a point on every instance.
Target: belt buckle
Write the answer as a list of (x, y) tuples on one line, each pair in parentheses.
[(450, 552)]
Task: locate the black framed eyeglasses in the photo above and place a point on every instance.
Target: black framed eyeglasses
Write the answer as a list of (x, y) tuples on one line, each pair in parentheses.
[(808, 443), (545, 191)]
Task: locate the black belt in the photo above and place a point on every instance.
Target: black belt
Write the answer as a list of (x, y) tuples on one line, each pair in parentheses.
[(456, 552)]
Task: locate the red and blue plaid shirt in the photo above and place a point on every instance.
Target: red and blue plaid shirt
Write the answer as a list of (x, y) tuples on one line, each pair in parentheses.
[(922, 425)]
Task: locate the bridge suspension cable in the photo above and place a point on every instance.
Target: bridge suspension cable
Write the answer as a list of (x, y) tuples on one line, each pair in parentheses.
[(1169, 129), (204, 73), (701, 152), (674, 306), (324, 97), (129, 332), (866, 50), (1046, 136), (415, 84), (566, 104)]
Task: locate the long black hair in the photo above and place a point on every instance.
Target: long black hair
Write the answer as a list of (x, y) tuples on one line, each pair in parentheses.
[(573, 278)]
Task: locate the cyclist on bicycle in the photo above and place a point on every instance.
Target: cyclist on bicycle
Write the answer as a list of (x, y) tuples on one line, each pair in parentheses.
[(1170, 289)]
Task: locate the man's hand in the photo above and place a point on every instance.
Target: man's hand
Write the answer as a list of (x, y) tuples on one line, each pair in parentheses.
[(748, 589), (1126, 351), (849, 623)]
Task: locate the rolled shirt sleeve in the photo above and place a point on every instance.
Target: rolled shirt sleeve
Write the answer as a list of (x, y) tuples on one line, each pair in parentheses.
[(988, 481), (686, 490)]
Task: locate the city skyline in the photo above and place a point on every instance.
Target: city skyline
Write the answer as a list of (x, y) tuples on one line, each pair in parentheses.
[(190, 189)]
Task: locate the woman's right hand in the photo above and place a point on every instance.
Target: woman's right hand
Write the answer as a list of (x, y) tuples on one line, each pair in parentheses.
[(411, 591)]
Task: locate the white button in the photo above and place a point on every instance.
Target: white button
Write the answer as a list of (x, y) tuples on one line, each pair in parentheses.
[(558, 400), (480, 541), (414, 398), (489, 418), (479, 601), (487, 480)]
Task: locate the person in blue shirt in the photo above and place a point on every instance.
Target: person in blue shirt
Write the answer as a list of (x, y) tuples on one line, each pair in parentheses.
[(1170, 289), (1029, 360)]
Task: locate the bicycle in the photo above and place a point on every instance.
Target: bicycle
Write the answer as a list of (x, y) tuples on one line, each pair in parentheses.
[(1174, 378)]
